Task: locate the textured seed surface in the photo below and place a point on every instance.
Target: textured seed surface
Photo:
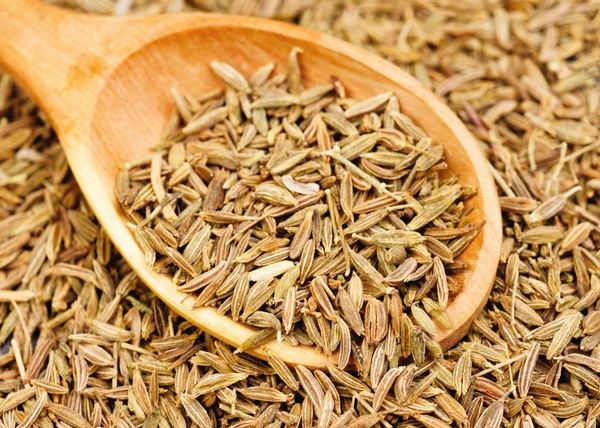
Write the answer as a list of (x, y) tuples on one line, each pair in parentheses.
[(520, 75), (269, 212)]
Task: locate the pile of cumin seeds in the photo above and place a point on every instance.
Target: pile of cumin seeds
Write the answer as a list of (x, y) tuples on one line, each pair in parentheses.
[(501, 374), (317, 218)]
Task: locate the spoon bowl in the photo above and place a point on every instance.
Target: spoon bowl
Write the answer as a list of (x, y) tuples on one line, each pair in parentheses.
[(105, 85)]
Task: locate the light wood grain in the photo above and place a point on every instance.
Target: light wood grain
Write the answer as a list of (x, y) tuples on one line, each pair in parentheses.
[(104, 83)]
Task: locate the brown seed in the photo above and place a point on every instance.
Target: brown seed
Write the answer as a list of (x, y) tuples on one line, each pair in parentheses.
[(384, 387), (346, 379), (214, 382), (366, 270), (195, 411), (16, 398), (302, 236), (442, 282), (345, 344), (376, 316), (350, 312), (283, 371), (318, 289), (312, 387), (462, 373), (230, 75), (402, 272), (527, 370), (205, 279), (368, 105), (492, 416), (68, 416)]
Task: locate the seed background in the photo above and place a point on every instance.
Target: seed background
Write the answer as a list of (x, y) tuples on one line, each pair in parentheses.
[(521, 74)]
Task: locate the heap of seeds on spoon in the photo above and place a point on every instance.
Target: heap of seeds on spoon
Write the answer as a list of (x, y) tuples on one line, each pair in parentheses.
[(319, 219)]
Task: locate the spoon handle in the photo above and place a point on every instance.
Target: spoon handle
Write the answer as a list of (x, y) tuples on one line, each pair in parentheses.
[(43, 46), (62, 57)]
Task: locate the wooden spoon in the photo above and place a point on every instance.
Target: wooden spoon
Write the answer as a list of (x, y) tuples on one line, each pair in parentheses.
[(105, 85)]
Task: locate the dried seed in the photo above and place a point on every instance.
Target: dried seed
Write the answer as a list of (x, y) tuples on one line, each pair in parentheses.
[(230, 75)]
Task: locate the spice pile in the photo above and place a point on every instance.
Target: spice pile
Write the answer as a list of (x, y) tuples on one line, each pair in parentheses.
[(312, 216), (88, 345)]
